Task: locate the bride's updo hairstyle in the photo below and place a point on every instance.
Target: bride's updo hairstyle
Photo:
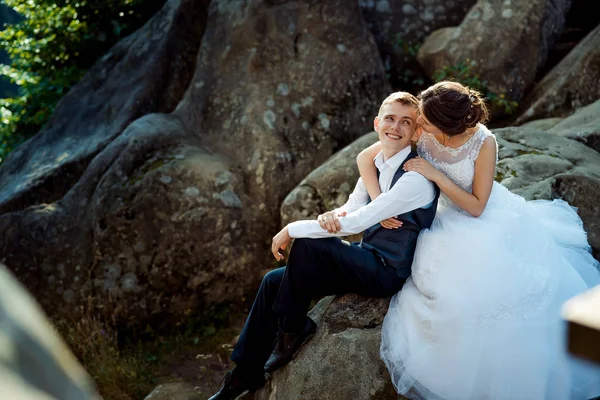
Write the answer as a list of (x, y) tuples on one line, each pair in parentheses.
[(453, 107)]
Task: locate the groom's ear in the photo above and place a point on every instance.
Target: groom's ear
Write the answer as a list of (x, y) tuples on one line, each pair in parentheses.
[(417, 134), (376, 124)]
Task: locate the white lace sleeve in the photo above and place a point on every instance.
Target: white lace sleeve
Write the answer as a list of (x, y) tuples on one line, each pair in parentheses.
[(477, 142)]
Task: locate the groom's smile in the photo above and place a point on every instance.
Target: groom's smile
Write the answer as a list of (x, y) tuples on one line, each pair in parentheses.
[(393, 136)]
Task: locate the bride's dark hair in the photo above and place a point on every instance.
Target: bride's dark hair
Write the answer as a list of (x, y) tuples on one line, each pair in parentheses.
[(453, 107)]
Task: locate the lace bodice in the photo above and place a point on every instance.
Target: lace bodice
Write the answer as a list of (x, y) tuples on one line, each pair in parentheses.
[(457, 163)]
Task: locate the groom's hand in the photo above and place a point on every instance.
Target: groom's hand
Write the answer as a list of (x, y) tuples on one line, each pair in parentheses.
[(280, 241)]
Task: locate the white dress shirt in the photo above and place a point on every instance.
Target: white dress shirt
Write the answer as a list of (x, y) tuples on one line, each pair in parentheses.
[(410, 192)]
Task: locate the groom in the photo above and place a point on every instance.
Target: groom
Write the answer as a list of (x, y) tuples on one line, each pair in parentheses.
[(378, 266)]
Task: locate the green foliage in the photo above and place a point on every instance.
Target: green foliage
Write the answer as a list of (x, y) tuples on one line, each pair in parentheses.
[(51, 48), (412, 77), (407, 47), (463, 72)]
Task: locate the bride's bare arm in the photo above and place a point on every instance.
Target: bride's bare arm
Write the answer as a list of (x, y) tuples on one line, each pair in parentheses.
[(485, 167), (367, 169)]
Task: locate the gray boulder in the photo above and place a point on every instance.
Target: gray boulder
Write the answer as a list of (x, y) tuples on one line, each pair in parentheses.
[(570, 85), (498, 36), (582, 192), (543, 124), (583, 126), (530, 161), (48, 196)]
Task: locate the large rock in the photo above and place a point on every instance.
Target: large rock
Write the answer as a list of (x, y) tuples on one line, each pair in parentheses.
[(583, 126), (530, 161), (543, 124), (35, 363), (498, 36), (582, 192), (400, 27), (175, 212), (293, 84), (578, 24), (48, 186), (342, 361), (571, 84)]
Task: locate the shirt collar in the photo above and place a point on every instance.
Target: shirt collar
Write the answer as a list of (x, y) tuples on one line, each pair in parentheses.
[(394, 161)]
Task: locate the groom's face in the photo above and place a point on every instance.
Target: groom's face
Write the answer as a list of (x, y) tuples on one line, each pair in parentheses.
[(396, 125)]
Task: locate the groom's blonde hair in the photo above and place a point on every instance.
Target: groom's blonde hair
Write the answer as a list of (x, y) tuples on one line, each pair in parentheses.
[(403, 98)]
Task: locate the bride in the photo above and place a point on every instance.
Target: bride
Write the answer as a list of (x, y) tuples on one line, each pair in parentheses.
[(480, 317)]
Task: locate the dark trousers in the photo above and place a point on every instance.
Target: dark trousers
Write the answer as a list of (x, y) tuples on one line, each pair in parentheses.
[(316, 267)]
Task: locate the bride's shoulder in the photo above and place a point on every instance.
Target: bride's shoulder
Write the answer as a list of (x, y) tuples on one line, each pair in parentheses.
[(485, 138)]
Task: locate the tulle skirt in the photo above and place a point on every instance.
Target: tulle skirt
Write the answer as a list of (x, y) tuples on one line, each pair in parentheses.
[(480, 316)]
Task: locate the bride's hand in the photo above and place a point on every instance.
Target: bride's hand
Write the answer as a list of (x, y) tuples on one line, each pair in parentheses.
[(391, 223), (423, 167), (330, 222)]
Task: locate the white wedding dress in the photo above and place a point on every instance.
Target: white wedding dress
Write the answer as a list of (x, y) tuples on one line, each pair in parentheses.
[(480, 317)]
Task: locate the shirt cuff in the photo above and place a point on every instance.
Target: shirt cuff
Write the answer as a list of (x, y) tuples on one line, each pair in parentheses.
[(303, 228)]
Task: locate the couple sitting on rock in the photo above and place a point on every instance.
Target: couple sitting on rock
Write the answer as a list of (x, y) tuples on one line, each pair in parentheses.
[(477, 273)]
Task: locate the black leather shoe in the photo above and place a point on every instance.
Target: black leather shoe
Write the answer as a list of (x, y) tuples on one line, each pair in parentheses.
[(234, 384), (287, 345)]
